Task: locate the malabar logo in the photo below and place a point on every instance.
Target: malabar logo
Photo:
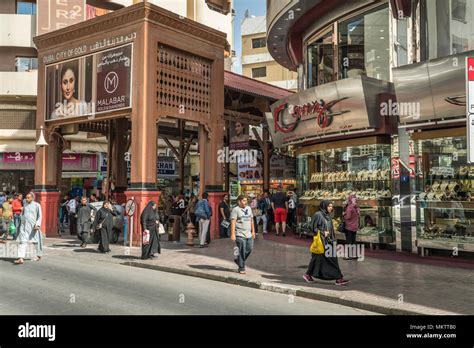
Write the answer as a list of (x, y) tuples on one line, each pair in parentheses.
[(111, 82)]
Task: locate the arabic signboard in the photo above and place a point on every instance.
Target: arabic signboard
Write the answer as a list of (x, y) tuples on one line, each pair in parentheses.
[(89, 85), (336, 107), (470, 108), (57, 14), (70, 161)]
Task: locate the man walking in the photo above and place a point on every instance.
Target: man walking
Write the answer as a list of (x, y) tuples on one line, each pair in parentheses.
[(242, 231), (203, 216), (17, 207), (280, 210), (30, 229), (71, 207), (84, 221)]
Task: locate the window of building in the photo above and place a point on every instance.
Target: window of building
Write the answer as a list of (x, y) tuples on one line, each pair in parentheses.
[(259, 42), (320, 60), (259, 72), (364, 45), (26, 7), (447, 27), (401, 43), (458, 10), (26, 63)]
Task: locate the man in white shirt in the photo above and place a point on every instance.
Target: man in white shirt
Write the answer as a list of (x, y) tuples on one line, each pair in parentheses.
[(71, 207)]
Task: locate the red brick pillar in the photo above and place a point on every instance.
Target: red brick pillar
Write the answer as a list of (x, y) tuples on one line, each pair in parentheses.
[(50, 202), (141, 198), (214, 199)]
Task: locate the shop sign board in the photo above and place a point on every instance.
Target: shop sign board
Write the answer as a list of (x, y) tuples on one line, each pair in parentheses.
[(337, 107), (91, 84), (282, 167), (250, 171), (70, 161), (470, 108)]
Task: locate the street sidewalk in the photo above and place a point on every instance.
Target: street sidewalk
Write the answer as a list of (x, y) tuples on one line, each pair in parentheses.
[(383, 286)]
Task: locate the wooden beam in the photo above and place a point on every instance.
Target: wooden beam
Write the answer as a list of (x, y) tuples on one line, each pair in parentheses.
[(257, 137), (171, 147), (188, 145)]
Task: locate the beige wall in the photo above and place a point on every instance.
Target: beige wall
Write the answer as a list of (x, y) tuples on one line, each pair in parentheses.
[(275, 72)]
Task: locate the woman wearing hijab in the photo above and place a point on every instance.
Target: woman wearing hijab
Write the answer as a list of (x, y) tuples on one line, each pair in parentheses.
[(150, 220), (324, 266), (351, 224), (103, 224)]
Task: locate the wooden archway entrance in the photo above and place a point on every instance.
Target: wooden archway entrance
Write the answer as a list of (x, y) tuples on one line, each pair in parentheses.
[(175, 69)]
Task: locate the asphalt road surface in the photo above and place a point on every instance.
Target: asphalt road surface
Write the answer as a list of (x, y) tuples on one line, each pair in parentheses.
[(64, 285)]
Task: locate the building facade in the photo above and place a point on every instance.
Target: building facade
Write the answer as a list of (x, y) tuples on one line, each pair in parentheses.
[(257, 63), (380, 113)]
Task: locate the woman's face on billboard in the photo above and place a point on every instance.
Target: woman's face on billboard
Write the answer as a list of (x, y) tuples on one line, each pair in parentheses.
[(68, 84), (239, 128)]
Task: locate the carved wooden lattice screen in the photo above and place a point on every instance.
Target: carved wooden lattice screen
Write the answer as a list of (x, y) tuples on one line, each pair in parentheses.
[(184, 83)]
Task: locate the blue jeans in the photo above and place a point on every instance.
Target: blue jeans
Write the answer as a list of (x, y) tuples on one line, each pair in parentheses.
[(245, 246), (16, 222)]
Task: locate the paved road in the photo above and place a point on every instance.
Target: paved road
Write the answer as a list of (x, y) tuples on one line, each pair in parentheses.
[(61, 284)]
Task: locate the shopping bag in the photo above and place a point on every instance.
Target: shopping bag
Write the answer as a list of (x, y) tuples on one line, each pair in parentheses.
[(317, 246), (12, 228), (161, 229), (225, 223), (146, 237)]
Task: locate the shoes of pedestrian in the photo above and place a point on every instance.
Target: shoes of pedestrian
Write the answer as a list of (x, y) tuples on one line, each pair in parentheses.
[(242, 271), (284, 234), (342, 282), (347, 258), (202, 246), (307, 278), (19, 262)]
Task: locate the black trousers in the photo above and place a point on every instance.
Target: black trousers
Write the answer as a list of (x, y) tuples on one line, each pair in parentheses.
[(72, 223), (350, 236)]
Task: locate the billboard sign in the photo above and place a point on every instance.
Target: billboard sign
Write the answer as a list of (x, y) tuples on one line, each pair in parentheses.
[(92, 84)]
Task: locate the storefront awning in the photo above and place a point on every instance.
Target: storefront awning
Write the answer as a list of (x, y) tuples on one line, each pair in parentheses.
[(254, 87)]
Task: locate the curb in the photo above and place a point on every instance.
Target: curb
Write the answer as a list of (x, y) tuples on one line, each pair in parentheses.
[(336, 299)]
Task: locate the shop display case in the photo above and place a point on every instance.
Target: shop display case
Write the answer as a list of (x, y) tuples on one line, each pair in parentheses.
[(444, 189), (363, 170)]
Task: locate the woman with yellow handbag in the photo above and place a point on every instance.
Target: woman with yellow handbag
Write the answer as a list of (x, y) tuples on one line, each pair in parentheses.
[(323, 264)]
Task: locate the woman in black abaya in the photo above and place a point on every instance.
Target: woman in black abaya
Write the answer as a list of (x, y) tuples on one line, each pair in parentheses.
[(149, 221), (324, 266), (103, 224)]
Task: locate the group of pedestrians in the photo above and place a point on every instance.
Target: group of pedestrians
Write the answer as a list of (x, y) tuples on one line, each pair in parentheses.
[(11, 208), (238, 223)]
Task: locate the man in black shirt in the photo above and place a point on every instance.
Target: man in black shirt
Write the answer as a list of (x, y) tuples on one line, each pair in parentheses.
[(224, 215), (280, 209), (84, 221)]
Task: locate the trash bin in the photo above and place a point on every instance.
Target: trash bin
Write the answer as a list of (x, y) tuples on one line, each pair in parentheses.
[(174, 236)]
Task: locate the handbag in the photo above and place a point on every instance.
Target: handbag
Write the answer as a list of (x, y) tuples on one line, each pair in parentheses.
[(225, 223), (256, 212), (146, 237), (161, 229)]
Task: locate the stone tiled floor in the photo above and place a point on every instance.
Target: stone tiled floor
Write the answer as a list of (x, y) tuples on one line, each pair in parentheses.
[(430, 289)]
